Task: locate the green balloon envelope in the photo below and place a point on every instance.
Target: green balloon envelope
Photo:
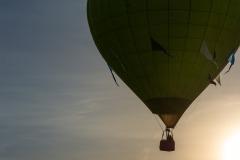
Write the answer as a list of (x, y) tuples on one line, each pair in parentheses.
[(165, 50)]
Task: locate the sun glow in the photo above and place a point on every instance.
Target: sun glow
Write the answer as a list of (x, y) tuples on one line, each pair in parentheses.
[(231, 150)]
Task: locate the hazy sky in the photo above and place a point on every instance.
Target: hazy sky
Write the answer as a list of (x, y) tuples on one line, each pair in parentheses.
[(58, 100)]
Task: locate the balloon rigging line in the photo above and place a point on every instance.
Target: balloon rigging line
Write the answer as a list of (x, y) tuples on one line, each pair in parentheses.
[(193, 108), (158, 122)]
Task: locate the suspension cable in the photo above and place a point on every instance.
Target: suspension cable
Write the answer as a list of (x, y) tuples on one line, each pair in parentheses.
[(191, 112), (158, 122)]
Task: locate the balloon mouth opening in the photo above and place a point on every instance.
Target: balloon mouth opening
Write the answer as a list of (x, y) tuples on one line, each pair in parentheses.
[(167, 105), (169, 109)]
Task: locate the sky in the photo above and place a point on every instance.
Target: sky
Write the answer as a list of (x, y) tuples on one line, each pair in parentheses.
[(58, 100)]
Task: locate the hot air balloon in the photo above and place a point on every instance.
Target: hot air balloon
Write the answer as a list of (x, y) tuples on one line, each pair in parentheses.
[(165, 50)]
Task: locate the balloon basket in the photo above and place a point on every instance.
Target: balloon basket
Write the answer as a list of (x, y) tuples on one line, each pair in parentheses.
[(167, 144)]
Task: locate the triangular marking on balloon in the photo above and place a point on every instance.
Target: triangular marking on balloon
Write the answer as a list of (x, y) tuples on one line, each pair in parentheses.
[(157, 47), (211, 80), (218, 79), (231, 59), (113, 75), (205, 51)]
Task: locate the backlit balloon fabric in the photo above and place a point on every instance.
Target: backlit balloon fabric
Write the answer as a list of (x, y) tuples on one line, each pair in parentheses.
[(154, 46)]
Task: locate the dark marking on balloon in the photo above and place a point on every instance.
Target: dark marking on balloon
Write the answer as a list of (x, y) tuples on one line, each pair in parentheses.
[(113, 75), (157, 47), (214, 55), (231, 60), (127, 4), (228, 69), (211, 80)]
